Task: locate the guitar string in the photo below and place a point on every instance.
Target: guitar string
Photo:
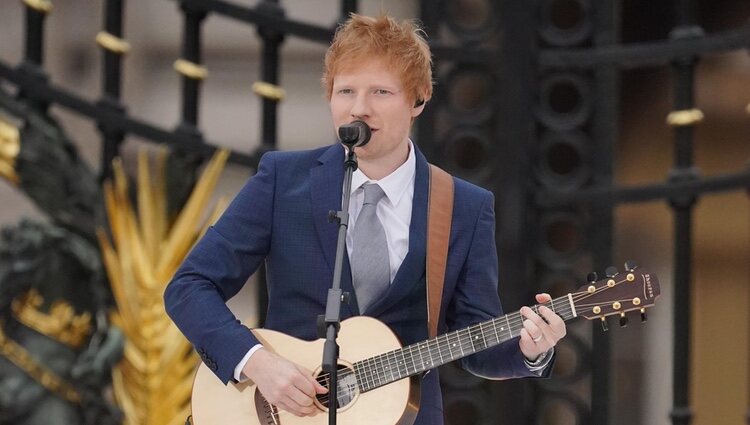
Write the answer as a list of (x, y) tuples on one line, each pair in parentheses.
[(380, 362), (465, 335), (462, 337), (384, 362)]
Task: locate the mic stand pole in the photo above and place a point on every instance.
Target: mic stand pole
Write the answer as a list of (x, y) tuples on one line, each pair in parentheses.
[(332, 320)]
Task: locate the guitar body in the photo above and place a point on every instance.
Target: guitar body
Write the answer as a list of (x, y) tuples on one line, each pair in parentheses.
[(360, 337)]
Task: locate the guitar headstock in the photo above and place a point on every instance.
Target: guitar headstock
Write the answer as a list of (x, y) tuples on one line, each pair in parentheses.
[(633, 289)]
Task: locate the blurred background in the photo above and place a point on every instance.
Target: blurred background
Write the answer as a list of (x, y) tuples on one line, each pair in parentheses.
[(609, 130)]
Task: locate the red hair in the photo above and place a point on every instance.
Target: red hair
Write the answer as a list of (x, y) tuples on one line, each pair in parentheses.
[(401, 44)]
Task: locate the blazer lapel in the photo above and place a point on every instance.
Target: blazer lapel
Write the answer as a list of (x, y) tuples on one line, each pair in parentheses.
[(413, 267), (326, 180)]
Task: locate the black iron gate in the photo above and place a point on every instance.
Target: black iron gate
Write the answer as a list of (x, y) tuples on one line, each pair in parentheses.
[(526, 105)]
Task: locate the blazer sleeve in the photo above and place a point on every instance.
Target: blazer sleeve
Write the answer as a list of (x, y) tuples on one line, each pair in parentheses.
[(476, 299), (217, 268)]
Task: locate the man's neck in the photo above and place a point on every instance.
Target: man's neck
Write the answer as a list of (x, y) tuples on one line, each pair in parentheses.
[(379, 168)]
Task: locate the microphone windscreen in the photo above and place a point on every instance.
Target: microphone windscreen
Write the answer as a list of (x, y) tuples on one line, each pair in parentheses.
[(356, 133)]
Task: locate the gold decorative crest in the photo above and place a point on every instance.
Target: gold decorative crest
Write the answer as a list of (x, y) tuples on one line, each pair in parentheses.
[(60, 323), (10, 147)]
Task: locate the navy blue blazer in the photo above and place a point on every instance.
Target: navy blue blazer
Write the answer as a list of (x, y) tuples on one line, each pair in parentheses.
[(281, 217)]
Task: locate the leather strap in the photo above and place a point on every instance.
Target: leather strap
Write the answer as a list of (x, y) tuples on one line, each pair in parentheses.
[(439, 216)]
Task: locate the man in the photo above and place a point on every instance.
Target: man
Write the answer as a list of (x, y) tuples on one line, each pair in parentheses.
[(379, 71)]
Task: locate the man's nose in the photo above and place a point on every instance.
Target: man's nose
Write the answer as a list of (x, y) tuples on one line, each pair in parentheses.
[(361, 107)]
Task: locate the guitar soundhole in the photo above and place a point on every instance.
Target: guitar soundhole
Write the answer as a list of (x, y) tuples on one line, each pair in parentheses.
[(347, 387)]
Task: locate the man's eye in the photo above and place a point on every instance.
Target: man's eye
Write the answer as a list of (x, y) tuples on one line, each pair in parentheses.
[(345, 91), (382, 91)]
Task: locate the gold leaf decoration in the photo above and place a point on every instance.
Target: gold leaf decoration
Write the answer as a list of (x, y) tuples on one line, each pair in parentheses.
[(152, 383)]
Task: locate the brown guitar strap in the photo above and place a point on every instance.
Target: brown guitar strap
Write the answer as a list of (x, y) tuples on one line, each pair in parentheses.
[(439, 216)]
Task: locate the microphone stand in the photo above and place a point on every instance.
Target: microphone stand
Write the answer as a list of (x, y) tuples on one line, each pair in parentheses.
[(332, 319)]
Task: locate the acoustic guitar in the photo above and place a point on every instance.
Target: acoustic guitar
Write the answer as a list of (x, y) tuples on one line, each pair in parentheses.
[(378, 379)]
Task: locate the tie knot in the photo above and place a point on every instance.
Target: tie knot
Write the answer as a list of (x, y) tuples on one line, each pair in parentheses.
[(373, 193)]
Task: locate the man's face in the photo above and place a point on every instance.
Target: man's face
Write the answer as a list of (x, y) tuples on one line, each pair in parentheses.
[(373, 93)]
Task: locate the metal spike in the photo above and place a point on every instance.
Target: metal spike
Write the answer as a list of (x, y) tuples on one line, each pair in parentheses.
[(631, 265), (623, 320), (592, 277), (611, 271), (605, 328)]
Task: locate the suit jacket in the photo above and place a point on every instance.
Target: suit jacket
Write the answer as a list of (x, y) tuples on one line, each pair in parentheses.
[(281, 217)]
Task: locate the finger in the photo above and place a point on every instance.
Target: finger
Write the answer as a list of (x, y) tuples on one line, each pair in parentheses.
[(556, 323), (529, 348), (526, 338), (535, 333), (543, 298), (299, 403), (537, 319), (300, 397), (317, 386), (304, 382)]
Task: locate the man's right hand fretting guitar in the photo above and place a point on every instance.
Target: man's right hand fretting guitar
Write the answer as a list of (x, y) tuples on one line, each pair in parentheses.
[(372, 381)]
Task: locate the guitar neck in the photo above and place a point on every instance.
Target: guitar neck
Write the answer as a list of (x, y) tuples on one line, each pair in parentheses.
[(414, 359)]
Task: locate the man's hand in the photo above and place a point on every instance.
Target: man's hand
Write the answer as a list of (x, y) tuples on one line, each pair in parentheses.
[(284, 384), (540, 333)]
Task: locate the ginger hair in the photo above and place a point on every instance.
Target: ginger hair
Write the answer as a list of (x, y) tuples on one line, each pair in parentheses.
[(401, 44)]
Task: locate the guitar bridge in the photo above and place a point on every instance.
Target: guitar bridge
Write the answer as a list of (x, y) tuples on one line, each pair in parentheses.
[(268, 414)]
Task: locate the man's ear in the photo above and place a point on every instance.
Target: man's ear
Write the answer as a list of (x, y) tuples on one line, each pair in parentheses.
[(418, 107)]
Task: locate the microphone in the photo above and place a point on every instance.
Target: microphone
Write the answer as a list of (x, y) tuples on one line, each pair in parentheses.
[(355, 134)]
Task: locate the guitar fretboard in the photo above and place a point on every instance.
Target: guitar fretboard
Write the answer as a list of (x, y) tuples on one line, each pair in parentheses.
[(413, 359)]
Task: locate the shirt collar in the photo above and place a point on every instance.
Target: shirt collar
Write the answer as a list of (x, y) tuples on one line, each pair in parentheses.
[(395, 184)]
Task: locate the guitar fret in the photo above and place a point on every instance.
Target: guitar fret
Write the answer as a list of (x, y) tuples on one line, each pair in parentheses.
[(405, 373), (497, 335), (431, 360), (383, 369), (466, 336), (471, 341), (406, 362), (375, 371), (414, 359), (510, 328), (442, 361)]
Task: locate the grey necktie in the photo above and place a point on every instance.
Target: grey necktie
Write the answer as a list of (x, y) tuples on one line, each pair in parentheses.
[(370, 265)]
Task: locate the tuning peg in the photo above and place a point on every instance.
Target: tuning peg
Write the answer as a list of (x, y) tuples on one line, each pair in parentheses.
[(643, 315), (611, 271), (631, 265), (623, 319), (605, 328), (592, 277)]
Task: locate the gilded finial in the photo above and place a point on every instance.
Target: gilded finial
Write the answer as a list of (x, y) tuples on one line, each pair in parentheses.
[(190, 69), (44, 6), (269, 91), (685, 117)]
